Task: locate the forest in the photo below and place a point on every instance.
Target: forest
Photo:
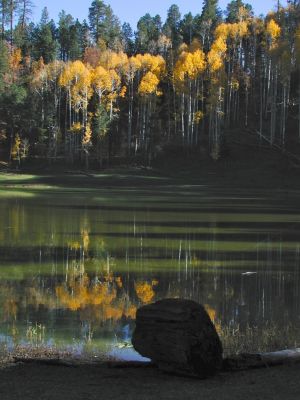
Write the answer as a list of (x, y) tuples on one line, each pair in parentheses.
[(88, 93)]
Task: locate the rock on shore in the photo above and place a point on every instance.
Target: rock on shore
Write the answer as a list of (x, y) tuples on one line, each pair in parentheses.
[(179, 337)]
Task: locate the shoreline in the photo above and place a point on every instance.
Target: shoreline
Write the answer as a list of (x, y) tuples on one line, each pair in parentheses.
[(27, 381)]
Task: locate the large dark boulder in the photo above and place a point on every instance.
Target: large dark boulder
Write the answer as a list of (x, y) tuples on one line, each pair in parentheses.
[(179, 337)]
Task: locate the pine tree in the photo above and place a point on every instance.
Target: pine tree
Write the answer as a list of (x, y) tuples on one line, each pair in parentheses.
[(104, 24), (148, 33), (4, 63), (233, 10), (211, 12), (172, 26), (45, 45), (187, 28), (127, 38), (65, 23)]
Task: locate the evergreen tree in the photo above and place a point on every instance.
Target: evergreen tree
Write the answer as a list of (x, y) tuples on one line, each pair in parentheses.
[(127, 38), (4, 12), (233, 10), (25, 12), (172, 26), (4, 63), (45, 45), (13, 9), (187, 28), (76, 48), (65, 23), (206, 24), (210, 11), (22, 32), (85, 36), (148, 32), (104, 24)]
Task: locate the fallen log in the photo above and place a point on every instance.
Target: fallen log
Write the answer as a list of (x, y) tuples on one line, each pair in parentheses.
[(47, 361), (260, 360)]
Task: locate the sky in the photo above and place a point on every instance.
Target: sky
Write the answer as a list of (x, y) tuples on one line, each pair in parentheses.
[(131, 10)]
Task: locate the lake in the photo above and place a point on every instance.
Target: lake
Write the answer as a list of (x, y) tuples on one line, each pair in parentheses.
[(75, 264)]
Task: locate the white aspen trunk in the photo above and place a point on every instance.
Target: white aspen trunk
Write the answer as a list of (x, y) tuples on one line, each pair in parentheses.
[(129, 135), (182, 118), (283, 116), (261, 109), (247, 103), (189, 115)]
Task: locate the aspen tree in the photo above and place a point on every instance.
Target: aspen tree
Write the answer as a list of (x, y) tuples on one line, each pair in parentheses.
[(152, 69), (188, 75), (76, 78), (273, 31), (215, 60)]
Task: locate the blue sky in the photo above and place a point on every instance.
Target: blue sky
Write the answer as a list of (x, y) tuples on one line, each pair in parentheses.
[(131, 10)]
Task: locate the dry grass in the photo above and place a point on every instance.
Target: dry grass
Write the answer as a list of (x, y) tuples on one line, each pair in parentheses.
[(7, 355), (256, 339)]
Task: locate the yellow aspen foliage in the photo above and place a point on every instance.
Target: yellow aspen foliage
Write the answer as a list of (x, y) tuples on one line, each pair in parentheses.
[(115, 80), (238, 30), (234, 83), (76, 128), (15, 59), (102, 300), (183, 47), (133, 65), (222, 30), (85, 233), (144, 291), (154, 64), (101, 81), (164, 44), (111, 60), (215, 57), (243, 14), (77, 78), (191, 64), (39, 74), (123, 91), (87, 137), (130, 312), (107, 79), (80, 293), (213, 316), (148, 84), (16, 148), (198, 116), (273, 31), (54, 69), (219, 45), (214, 61)]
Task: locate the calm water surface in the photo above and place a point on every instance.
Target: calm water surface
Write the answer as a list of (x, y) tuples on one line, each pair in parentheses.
[(76, 264)]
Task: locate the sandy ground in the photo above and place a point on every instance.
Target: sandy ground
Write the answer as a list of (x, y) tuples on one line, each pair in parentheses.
[(43, 382)]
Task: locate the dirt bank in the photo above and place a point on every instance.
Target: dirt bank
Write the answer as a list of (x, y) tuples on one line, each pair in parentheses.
[(101, 382)]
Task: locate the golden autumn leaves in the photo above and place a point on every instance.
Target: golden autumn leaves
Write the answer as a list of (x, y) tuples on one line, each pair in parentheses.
[(108, 74), (105, 298), (107, 78), (89, 93)]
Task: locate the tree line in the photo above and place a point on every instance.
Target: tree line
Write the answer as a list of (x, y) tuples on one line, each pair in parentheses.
[(88, 91)]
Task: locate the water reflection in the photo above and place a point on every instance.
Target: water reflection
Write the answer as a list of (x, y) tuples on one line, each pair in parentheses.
[(75, 275)]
